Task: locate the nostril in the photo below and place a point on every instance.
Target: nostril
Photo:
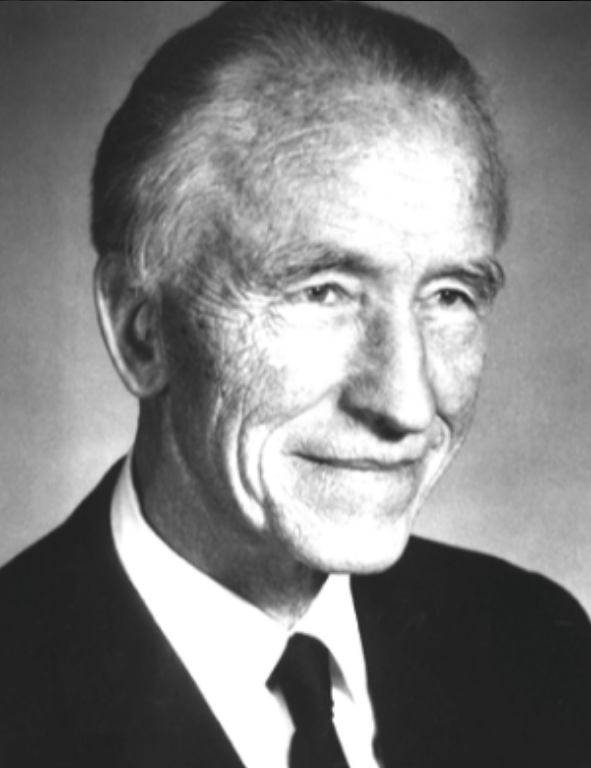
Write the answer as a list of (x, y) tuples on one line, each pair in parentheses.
[(391, 422), (381, 425), (386, 428)]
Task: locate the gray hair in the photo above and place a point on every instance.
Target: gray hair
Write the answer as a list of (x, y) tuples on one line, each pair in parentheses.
[(243, 103)]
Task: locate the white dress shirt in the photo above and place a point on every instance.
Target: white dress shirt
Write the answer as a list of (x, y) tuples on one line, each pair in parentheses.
[(230, 647)]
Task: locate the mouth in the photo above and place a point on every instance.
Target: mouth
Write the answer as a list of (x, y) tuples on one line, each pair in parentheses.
[(358, 464)]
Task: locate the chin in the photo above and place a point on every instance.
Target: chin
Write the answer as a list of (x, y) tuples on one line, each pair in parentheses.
[(359, 548)]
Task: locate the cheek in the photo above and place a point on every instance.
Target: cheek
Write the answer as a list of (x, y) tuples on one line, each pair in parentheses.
[(303, 363), (456, 363)]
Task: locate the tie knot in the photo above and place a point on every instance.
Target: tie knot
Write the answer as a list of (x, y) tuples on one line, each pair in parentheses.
[(303, 676)]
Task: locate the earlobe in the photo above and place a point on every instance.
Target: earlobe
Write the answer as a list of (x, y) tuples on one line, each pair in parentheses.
[(130, 325)]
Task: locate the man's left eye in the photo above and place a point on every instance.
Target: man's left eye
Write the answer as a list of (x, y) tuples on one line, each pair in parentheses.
[(453, 297), (324, 293)]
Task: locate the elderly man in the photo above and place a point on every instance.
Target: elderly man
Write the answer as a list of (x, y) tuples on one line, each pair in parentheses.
[(297, 211)]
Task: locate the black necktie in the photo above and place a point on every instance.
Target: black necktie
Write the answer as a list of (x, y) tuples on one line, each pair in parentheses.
[(303, 676)]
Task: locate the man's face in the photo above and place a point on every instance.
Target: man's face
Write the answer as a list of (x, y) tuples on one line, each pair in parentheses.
[(316, 397)]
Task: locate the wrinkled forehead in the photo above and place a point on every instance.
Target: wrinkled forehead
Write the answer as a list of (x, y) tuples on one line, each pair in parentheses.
[(357, 142), (273, 166)]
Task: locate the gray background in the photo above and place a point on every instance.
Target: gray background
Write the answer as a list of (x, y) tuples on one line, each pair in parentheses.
[(521, 488)]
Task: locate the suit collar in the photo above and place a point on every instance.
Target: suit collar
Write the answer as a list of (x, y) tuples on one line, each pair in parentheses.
[(126, 696)]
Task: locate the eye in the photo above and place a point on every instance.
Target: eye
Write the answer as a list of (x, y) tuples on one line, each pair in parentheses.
[(324, 293), (453, 297)]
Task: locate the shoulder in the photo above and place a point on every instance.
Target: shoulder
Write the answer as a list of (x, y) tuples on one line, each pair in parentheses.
[(460, 580), (65, 552), (41, 586), (46, 595), (495, 650), (468, 591), (482, 613)]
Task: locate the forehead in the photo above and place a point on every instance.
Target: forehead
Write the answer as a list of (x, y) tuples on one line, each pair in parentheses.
[(401, 178), (408, 194)]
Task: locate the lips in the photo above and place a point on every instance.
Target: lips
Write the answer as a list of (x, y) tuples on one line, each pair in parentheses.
[(358, 454), (359, 464)]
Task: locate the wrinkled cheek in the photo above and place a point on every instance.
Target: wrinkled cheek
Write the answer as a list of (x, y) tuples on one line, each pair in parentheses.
[(228, 370), (190, 355)]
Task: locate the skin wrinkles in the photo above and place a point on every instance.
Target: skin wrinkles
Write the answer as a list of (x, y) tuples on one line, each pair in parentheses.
[(267, 178), (270, 178), (244, 271), (314, 398)]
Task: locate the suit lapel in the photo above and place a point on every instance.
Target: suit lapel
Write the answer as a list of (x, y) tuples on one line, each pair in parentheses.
[(398, 620), (389, 619), (127, 698), (428, 671)]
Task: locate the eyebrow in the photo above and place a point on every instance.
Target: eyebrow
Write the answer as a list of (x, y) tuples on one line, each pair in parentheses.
[(485, 275), (301, 262)]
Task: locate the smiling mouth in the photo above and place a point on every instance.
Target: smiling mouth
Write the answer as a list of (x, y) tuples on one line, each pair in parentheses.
[(358, 465)]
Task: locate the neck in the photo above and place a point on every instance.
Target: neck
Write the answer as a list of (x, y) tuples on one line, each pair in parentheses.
[(251, 565)]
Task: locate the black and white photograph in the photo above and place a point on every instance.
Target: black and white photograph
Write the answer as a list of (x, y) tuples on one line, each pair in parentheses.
[(295, 398)]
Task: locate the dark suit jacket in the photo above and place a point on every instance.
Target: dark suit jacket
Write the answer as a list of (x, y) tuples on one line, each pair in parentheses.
[(471, 663)]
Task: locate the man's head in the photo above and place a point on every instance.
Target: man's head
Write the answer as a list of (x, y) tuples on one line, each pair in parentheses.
[(296, 212)]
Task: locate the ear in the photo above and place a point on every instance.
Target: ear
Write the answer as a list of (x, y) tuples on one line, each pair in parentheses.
[(130, 325)]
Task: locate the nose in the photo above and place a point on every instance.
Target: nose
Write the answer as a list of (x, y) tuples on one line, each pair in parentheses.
[(390, 387)]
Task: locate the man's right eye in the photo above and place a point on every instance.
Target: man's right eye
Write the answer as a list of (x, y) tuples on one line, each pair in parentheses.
[(323, 293)]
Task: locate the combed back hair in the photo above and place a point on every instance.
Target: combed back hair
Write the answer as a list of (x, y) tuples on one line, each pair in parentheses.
[(232, 113)]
